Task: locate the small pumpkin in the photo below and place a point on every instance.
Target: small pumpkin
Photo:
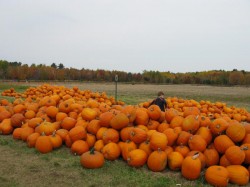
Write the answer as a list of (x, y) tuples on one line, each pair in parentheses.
[(92, 159)]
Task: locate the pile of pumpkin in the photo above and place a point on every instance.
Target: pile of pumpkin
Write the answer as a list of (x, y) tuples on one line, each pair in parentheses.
[(183, 138)]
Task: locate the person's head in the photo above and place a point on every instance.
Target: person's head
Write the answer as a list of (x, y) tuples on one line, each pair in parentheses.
[(160, 94)]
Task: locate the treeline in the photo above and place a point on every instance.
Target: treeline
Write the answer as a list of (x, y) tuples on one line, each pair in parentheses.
[(18, 71)]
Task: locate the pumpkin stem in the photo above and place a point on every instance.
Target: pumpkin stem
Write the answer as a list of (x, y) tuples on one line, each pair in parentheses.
[(195, 156), (244, 148), (54, 133), (43, 134), (92, 151)]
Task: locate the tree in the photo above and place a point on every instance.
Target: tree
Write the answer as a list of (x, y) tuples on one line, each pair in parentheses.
[(3, 68), (53, 65), (60, 66), (236, 78)]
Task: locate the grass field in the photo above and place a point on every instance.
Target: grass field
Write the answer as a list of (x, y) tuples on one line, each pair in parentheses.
[(22, 166)]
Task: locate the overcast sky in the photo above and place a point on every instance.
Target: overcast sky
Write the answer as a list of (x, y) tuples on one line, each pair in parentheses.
[(127, 35)]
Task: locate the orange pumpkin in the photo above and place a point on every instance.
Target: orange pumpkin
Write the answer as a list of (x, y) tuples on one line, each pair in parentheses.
[(111, 151), (197, 143), (217, 176), (191, 123), (235, 155), (43, 144), (137, 158), (222, 143), (238, 174), (236, 132), (157, 161), (158, 141), (175, 160), (92, 159), (79, 147), (119, 121), (77, 133), (191, 167)]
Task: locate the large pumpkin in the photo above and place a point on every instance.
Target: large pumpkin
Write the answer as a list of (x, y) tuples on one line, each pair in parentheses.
[(217, 176)]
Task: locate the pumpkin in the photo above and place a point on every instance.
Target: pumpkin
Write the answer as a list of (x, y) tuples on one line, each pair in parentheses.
[(154, 112), (158, 141), (119, 121), (152, 125), (26, 132), (191, 123), (43, 144), (197, 143), (183, 138), (184, 150), (206, 134), (6, 127), (175, 160), (105, 119), (236, 132), (31, 139), (142, 117), (62, 133), (138, 135), (47, 127), (17, 120), (191, 167), (91, 139), (238, 174), (137, 158), (111, 151), (88, 114), (126, 148), (68, 123), (170, 114), (176, 122), (211, 157), (99, 145), (130, 112), (4, 115), (201, 157), (217, 176), (79, 147), (56, 140), (34, 122), (125, 133), (17, 133), (52, 111), (110, 135), (145, 146), (218, 126), (235, 155), (157, 161), (246, 149), (92, 159), (77, 133), (171, 136), (222, 142), (162, 127)]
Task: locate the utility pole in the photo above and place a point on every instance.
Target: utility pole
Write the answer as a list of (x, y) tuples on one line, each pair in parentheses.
[(116, 81)]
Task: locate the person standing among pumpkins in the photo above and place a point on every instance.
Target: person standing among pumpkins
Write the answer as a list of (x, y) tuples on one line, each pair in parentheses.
[(160, 101)]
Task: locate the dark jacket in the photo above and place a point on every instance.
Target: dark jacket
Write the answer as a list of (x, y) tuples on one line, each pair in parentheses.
[(161, 102)]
